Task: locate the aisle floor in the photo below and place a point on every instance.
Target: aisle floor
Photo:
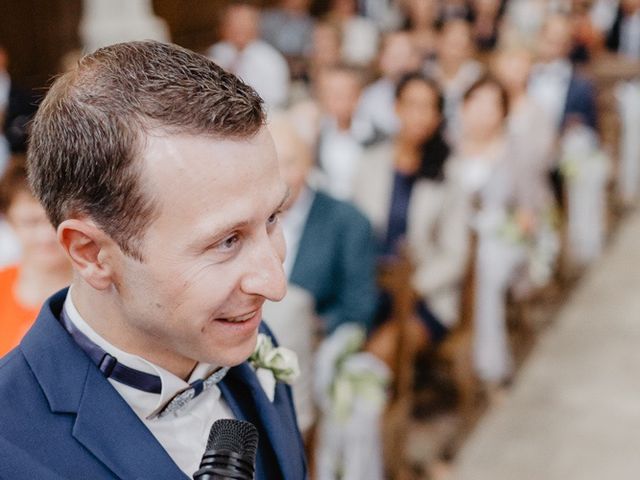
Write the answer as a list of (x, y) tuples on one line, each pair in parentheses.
[(574, 412)]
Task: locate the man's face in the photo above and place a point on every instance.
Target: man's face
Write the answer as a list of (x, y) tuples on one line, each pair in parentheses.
[(339, 92), (213, 255), (241, 25), (555, 41), (294, 158), (455, 42)]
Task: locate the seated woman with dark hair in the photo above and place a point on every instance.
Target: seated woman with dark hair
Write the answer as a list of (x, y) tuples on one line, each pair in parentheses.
[(403, 190), (43, 268)]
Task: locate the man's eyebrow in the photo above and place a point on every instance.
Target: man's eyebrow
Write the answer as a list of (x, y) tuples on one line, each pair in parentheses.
[(225, 229), (285, 197)]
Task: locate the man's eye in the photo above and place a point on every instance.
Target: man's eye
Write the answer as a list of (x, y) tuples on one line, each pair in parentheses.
[(229, 242), (273, 219)]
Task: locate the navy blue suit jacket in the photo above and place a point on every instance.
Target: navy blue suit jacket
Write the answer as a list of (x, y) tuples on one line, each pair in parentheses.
[(335, 262), (61, 419)]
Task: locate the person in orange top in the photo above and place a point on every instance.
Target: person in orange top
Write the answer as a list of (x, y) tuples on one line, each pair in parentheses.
[(43, 269)]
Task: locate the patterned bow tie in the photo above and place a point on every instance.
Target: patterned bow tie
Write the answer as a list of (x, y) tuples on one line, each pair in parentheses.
[(147, 382), (180, 399)]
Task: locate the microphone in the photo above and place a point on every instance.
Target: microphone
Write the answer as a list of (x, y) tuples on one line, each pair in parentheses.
[(230, 453)]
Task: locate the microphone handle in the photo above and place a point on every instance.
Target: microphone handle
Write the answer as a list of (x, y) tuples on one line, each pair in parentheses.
[(224, 465)]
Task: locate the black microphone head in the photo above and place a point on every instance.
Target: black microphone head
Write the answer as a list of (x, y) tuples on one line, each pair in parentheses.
[(231, 452), (234, 435)]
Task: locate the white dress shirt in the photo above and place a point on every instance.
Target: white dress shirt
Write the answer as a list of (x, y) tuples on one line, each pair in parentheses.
[(259, 65), (549, 86), (183, 434), (339, 153), (293, 222), (377, 106)]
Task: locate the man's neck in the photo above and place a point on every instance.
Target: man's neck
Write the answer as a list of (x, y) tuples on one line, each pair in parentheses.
[(99, 309)]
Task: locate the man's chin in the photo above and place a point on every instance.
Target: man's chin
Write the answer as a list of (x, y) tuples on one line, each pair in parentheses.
[(236, 355)]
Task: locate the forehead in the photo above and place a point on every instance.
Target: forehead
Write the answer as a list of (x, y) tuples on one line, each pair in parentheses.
[(198, 177), (417, 91)]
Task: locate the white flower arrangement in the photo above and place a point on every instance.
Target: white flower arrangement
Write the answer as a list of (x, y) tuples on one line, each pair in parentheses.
[(580, 153), (346, 375), (542, 244), (273, 364)]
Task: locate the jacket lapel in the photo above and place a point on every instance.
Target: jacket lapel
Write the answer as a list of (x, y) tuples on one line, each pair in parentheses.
[(110, 430), (246, 398), (105, 425)]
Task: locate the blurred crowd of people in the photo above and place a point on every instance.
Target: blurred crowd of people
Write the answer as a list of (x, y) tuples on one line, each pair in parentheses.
[(429, 129), (423, 125), (425, 128)]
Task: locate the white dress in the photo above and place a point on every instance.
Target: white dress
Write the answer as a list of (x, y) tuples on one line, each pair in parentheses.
[(489, 179)]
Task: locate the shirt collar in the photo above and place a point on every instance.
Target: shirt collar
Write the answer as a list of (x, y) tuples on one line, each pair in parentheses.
[(293, 224), (142, 402)]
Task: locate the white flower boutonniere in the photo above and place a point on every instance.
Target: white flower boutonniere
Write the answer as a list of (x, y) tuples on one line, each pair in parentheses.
[(273, 364)]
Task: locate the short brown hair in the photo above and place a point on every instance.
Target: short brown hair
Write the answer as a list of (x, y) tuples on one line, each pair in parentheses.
[(13, 182), (90, 129)]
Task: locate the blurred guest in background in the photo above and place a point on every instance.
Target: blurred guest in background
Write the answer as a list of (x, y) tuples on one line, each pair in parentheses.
[(387, 14), (359, 34), (624, 36), (486, 16), (422, 16), (568, 97), (288, 27), (16, 109), (241, 52), (588, 39), (330, 123), (530, 131), (403, 190), (451, 9), (330, 244), (377, 103), (566, 94), (43, 268), (455, 69), (325, 49), (522, 22), (483, 168), (534, 140)]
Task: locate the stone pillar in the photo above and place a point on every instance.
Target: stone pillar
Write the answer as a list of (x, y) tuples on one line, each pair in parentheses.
[(105, 22)]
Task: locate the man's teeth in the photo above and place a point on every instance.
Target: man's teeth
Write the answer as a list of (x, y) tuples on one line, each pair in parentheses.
[(243, 318)]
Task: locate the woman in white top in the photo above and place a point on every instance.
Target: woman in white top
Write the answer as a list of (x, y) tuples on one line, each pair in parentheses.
[(483, 167)]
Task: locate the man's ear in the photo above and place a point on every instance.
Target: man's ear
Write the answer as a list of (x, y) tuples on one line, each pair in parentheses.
[(87, 247)]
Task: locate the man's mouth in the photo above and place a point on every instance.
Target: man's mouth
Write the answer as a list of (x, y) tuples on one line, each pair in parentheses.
[(240, 318)]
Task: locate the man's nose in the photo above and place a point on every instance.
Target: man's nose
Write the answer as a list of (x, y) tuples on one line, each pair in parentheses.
[(265, 274)]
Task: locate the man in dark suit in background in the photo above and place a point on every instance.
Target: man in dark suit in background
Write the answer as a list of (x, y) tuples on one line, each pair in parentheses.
[(156, 169), (566, 94), (330, 243)]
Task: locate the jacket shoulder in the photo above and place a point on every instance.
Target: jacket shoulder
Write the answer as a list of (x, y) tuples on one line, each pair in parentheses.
[(342, 213)]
